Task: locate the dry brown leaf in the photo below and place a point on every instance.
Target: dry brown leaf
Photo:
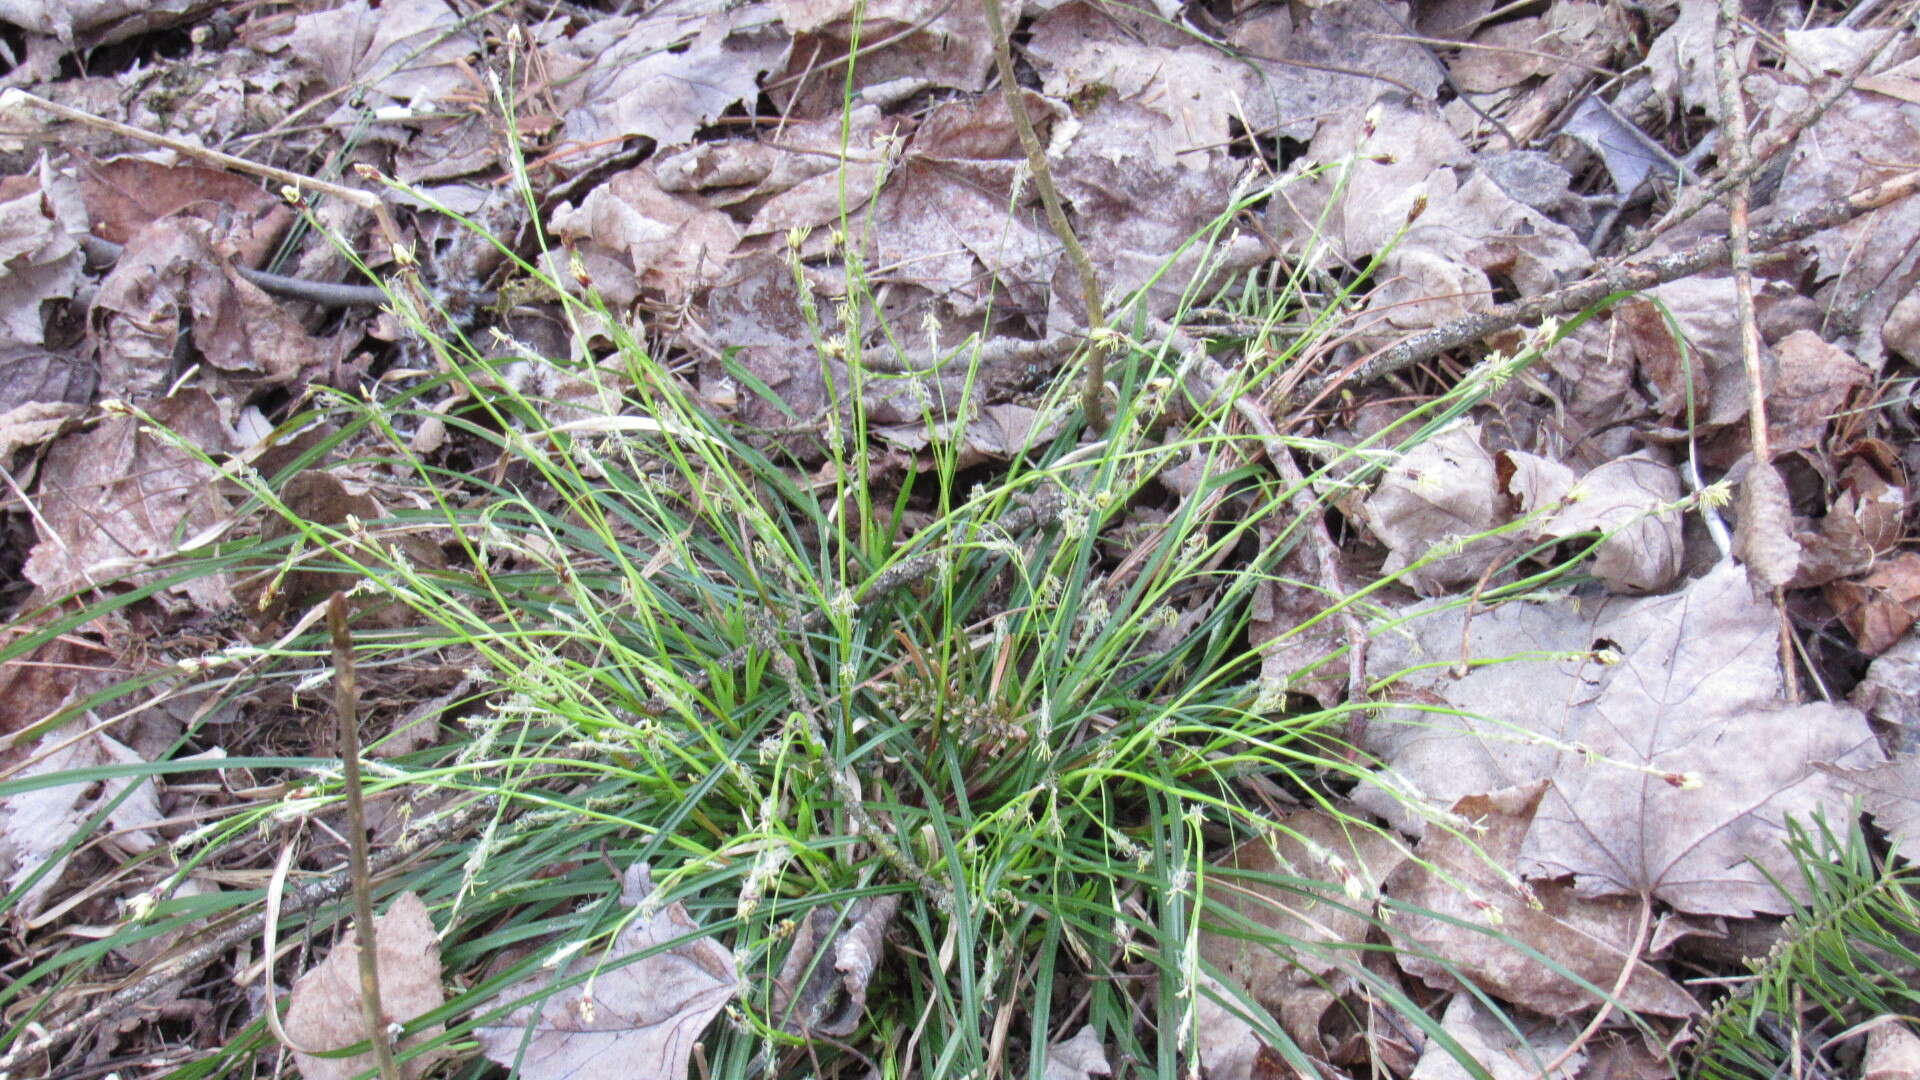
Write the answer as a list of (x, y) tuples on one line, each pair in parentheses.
[(1227, 1045), (942, 222), (1191, 90), (324, 1010), (1077, 1058), (640, 1018), (661, 74), (42, 220), (1707, 354), (410, 61), (822, 985), (1865, 521), (1680, 60), (919, 43), (1294, 648), (1811, 383), (1133, 212), (40, 394), (1298, 985), (114, 499), (104, 20), (1629, 500), (35, 825), (1347, 56), (169, 275), (668, 245), (1893, 1051), (1879, 608), (1495, 1047), (1505, 55), (1867, 265), (1890, 693), (126, 195), (1467, 883), (1891, 791), (1439, 493)]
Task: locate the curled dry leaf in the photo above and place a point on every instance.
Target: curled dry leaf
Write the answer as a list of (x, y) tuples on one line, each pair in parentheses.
[(1764, 541), (1460, 884), (822, 986), (325, 1008), (640, 1018), (1865, 521), (169, 277), (42, 218)]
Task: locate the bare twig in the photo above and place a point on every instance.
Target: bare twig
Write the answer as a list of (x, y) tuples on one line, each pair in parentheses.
[(1629, 963), (1093, 401), (346, 705)]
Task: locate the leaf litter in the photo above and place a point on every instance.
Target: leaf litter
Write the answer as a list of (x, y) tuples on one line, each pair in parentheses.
[(1550, 764)]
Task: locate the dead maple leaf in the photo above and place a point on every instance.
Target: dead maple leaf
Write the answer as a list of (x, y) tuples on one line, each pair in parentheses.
[(324, 1012), (661, 74), (1658, 719), (640, 1018), (1458, 884)]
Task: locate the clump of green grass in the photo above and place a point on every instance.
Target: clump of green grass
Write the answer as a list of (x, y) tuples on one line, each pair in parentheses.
[(684, 650)]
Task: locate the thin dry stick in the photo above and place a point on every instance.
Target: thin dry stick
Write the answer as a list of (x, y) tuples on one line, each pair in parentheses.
[(1632, 961), (15, 97), (1093, 401), (1733, 136), (1629, 275), (346, 703)]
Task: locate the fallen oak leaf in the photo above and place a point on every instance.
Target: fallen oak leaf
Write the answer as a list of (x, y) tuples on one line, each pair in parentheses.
[(637, 1019)]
